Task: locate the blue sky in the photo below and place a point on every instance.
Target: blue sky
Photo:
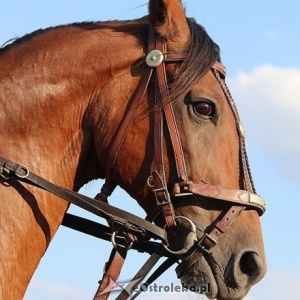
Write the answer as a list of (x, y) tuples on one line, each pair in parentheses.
[(260, 48)]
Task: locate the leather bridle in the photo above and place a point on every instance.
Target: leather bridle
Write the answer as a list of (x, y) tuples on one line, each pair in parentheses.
[(237, 199), (156, 61), (155, 79)]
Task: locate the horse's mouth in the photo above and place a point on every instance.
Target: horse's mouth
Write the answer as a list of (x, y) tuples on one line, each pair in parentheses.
[(199, 278), (203, 277)]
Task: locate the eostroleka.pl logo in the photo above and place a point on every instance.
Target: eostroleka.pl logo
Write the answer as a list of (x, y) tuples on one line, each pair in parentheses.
[(133, 286), (203, 288)]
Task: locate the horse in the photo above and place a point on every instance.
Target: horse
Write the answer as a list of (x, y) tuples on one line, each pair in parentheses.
[(66, 93)]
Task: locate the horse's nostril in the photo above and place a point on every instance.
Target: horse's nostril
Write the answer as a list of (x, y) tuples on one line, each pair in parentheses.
[(249, 267), (250, 264)]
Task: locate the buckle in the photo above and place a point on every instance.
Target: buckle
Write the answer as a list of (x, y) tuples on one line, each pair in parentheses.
[(116, 244), (10, 169), (162, 196), (18, 170), (4, 173), (184, 194), (204, 247)]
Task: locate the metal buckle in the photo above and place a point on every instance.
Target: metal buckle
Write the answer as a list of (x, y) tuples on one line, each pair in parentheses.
[(26, 172), (163, 190), (182, 191), (209, 237), (20, 171), (4, 173), (183, 194), (115, 245)]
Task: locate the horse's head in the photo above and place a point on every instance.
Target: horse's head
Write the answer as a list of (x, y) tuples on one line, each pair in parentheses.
[(191, 148)]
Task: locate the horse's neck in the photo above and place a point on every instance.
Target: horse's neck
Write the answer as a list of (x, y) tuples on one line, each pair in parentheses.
[(46, 99), (62, 95), (43, 103), (42, 126)]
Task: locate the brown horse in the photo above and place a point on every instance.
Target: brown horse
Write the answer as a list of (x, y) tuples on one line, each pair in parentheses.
[(64, 92)]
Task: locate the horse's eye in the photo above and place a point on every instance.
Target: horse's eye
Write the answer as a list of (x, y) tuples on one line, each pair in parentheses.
[(204, 108)]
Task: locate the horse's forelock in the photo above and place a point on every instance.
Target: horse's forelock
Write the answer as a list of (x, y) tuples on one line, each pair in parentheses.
[(202, 53)]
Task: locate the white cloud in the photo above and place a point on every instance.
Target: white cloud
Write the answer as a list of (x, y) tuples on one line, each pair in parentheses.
[(268, 99)]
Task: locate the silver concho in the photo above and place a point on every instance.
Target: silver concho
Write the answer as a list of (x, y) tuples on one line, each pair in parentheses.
[(154, 58)]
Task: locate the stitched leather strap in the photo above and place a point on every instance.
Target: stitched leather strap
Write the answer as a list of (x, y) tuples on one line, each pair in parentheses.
[(111, 274), (174, 57), (169, 115), (161, 92), (119, 218), (234, 196), (114, 150), (209, 239)]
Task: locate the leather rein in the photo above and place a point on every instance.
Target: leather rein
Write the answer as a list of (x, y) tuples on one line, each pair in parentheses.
[(130, 228)]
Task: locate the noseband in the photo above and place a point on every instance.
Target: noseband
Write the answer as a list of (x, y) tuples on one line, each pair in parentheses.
[(237, 200)]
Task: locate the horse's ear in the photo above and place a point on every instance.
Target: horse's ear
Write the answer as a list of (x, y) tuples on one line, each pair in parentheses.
[(169, 20)]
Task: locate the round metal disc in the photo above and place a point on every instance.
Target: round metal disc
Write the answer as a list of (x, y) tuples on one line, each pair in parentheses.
[(154, 58)]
